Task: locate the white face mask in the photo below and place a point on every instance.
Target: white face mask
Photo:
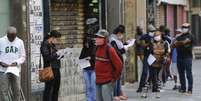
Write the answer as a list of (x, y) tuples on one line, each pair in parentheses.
[(157, 38), (185, 30), (151, 34)]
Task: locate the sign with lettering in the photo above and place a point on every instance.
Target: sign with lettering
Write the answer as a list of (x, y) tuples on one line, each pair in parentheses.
[(36, 33)]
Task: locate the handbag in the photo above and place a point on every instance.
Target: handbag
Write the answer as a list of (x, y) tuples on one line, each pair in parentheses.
[(45, 74)]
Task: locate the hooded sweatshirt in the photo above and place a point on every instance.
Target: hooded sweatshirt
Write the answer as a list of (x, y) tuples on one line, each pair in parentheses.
[(11, 52)]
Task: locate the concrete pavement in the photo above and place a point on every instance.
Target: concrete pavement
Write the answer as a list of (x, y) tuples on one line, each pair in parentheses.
[(168, 94)]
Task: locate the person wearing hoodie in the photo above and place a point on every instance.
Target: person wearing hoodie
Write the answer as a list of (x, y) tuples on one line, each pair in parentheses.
[(108, 67), (12, 54)]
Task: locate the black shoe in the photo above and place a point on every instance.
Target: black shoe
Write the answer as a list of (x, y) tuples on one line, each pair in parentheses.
[(175, 87), (139, 90), (182, 91), (189, 92)]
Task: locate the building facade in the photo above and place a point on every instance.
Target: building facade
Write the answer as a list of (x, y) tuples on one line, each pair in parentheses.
[(195, 19)]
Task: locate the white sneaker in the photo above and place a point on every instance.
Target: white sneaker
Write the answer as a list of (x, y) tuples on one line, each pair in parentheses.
[(158, 95)]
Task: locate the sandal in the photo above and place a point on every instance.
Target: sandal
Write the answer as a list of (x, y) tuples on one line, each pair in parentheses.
[(116, 98), (123, 97)]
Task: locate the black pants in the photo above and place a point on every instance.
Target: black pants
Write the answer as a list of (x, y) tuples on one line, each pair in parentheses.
[(154, 78), (52, 87)]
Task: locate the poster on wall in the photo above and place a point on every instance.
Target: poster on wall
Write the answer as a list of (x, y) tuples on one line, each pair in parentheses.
[(36, 32)]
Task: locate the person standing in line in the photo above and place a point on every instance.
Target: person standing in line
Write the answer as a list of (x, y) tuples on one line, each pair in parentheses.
[(146, 42), (12, 54), (50, 58), (116, 42), (159, 49), (184, 46), (173, 68), (138, 43), (108, 67), (88, 56)]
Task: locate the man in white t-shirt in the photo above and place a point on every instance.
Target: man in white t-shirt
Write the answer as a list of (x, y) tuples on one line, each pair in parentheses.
[(12, 55)]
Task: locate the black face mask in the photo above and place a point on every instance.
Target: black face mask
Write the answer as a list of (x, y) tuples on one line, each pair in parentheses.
[(11, 36)]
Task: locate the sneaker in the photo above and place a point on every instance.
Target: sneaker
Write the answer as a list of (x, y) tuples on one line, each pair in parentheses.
[(175, 87), (182, 91), (158, 95), (139, 90), (189, 93)]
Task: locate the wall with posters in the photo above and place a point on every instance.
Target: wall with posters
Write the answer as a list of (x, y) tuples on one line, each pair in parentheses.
[(36, 33)]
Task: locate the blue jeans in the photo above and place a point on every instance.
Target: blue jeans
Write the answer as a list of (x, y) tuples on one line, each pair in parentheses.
[(185, 67), (90, 82), (117, 88), (144, 75)]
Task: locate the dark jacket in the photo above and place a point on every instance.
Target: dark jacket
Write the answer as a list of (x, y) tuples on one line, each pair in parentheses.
[(48, 52), (89, 52)]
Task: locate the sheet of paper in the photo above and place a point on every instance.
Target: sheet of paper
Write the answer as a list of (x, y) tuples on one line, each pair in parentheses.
[(151, 59), (13, 70), (131, 42), (84, 63)]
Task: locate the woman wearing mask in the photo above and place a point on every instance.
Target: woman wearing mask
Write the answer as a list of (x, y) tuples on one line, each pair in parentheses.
[(50, 58), (159, 49), (116, 42)]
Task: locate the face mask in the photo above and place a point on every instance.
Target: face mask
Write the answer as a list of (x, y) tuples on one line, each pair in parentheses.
[(99, 41), (11, 37), (151, 34), (157, 38), (185, 30)]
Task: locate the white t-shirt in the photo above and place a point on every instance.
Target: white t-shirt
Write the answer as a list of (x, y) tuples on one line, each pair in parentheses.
[(11, 52)]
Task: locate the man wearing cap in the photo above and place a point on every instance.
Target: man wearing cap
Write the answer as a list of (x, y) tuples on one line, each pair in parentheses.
[(184, 44), (12, 55), (147, 40), (108, 67)]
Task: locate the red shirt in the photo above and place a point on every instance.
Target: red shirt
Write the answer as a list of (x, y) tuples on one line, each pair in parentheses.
[(105, 72)]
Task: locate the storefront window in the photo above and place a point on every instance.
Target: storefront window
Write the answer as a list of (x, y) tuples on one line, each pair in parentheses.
[(196, 3)]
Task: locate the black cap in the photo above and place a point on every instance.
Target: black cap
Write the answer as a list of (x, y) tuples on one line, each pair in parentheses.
[(55, 33)]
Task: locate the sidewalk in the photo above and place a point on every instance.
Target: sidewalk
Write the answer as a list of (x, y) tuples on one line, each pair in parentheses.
[(168, 94)]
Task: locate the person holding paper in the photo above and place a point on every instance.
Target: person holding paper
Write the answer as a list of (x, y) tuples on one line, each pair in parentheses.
[(159, 49), (146, 42), (121, 48), (12, 55), (87, 63), (51, 58)]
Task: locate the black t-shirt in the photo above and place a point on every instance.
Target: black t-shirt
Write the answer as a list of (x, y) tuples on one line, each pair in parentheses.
[(185, 51)]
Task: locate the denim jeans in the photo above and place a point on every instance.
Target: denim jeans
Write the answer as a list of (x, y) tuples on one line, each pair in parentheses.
[(117, 88), (185, 67), (90, 82), (104, 92), (145, 73)]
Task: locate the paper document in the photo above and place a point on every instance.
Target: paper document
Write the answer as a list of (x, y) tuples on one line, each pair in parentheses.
[(61, 53), (84, 63), (131, 42), (14, 70), (151, 59)]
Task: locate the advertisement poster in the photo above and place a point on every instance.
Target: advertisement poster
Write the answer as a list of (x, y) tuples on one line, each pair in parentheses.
[(36, 32)]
